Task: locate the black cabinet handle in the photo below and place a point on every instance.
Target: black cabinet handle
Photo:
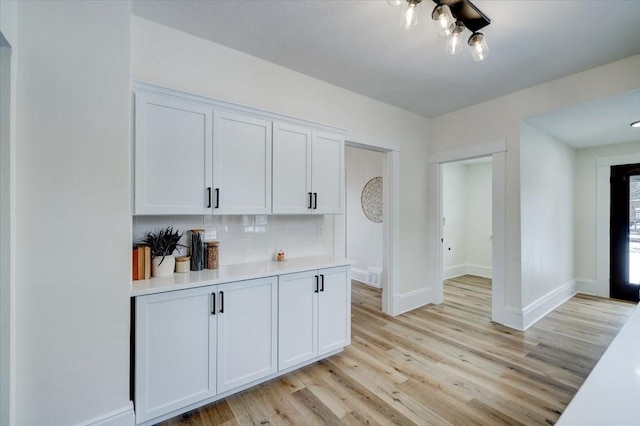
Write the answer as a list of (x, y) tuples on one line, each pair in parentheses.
[(222, 302), (310, 200), (217, 198), (317, 286), (213, 307), (322, 278), (209, 197), (315, 200)]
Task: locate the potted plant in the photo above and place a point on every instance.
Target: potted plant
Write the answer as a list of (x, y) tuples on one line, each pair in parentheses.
[(163, 243)]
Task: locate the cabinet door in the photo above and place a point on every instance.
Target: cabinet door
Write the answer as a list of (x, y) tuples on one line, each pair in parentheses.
[(327, 173), (242, 164), (247, 331), (291, 169), (175, 351), (172, 156), (334, 309), (297, 319)]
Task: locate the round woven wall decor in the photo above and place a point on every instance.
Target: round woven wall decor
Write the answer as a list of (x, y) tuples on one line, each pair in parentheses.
[(371, 200)]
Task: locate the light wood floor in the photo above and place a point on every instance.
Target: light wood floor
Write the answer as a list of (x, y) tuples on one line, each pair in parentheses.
[(436, 365)]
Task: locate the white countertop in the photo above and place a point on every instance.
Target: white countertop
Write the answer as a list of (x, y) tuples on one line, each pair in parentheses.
[(611, 393), (230, 273)]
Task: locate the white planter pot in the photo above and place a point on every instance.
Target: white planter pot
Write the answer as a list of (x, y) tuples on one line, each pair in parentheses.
[(162, 269)]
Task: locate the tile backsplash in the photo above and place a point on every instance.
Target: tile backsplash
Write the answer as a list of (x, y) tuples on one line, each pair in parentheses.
[(249, 238)]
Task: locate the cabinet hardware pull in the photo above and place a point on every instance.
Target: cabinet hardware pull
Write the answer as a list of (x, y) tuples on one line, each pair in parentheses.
[(213, 299), (217, 198), (315, 200), (317, 286), (322, 287), (310, 200), (209, 197), (222, 302)]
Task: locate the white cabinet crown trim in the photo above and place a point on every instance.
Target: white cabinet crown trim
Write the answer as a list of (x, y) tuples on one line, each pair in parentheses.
[(141, 86)]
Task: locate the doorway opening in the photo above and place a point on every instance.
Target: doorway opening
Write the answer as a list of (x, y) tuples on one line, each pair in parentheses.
[(364, 216), (466, 233), (500, 312), (390, 158), (625, 232)]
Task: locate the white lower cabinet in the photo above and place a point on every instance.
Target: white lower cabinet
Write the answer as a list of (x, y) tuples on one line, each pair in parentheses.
[(193, 344), (247, 332), (334, 309), (314, 314), (175, 351), (197, 345)]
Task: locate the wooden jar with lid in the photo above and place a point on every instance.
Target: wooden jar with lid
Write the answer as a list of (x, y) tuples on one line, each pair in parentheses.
[(212, 254)]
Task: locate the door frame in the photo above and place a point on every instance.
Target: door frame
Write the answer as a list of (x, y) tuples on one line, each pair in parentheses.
[(7, 237), (390, 212), (620, 286), (603, 209), (497, 151)]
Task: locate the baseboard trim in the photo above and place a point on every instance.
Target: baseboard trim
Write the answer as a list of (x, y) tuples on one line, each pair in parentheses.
[(362, 276), (467, 269), (122, 417), (511, 317), (479, 270), (454, 271), (409, 301), (590, 287), (547, 303)]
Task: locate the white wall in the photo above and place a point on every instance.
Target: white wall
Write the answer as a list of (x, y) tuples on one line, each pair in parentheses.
[(479, 244), (73, 228), (499, 119), (586, 203), (364, 237), (466, 204), (454, 207), (546, 180), (177, 60)]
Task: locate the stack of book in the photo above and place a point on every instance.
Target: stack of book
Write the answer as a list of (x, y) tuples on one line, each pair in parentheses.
[(141, 263)]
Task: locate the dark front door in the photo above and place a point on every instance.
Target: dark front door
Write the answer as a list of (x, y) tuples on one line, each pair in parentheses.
[(625, 232)]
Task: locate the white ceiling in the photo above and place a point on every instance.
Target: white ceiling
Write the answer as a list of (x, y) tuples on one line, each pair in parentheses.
[(601, 122), (359, 45)]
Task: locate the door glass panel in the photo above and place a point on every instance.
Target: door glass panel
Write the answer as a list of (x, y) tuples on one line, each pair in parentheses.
[(634, 230)]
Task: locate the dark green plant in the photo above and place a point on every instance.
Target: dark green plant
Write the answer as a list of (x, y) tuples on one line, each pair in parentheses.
[(164, 242)]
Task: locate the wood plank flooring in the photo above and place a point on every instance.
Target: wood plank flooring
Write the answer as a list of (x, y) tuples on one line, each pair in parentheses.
[(436, 365)]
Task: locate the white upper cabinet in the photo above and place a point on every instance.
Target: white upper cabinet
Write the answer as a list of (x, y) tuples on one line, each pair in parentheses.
[(291, 169), (242, 164), (194, 156), (327, 173), (308, 171), (172, 156)]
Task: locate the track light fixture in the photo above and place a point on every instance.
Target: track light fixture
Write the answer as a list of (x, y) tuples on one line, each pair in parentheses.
[(451, 18)]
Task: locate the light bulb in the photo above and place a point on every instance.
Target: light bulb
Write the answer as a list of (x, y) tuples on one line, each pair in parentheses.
[(410, 16), (454, 41), (444, 20), (479, 47), (394, 3)]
